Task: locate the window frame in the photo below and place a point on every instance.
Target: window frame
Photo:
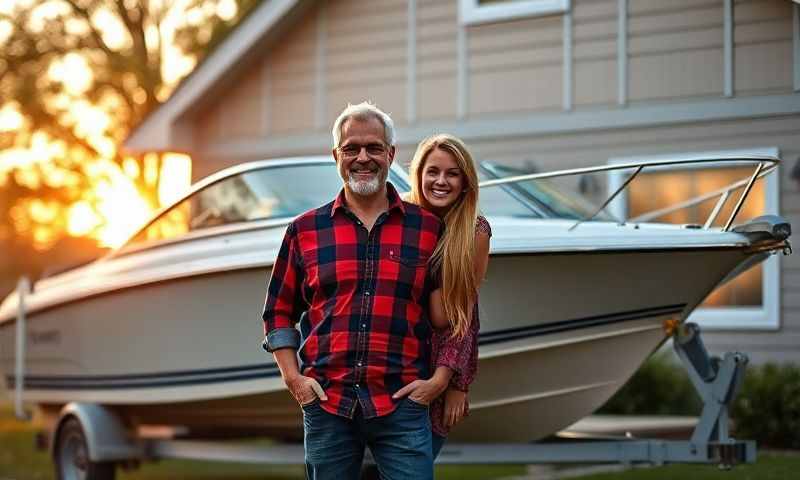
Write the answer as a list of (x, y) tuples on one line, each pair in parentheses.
[(470, 12), (766, 317)]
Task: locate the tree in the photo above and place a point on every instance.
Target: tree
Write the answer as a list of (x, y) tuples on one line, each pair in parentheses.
[(123, 45), (84, 73)]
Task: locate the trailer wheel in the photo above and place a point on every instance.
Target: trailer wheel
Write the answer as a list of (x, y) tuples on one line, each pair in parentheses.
[(71, 456)]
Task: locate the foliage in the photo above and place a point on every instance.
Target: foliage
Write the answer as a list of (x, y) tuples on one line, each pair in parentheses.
[(659, 387), (768, 407), (78, 76)]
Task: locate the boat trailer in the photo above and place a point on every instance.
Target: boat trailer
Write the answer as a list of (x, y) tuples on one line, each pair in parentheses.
[(93, 439), (716, 380)]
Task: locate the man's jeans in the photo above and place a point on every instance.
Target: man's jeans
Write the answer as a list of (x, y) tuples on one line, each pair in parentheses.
[(400, 443)]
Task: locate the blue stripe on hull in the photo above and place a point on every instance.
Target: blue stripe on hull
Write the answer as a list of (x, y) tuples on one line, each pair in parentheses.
[(252, 372)]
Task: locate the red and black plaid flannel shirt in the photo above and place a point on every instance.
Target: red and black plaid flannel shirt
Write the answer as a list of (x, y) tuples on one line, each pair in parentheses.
[(361, 298)]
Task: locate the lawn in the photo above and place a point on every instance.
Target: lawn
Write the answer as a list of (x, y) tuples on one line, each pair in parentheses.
[(19, 460)]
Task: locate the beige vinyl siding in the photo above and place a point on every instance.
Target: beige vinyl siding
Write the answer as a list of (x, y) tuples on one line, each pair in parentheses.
[(763, 46), (595, 52), (365, 55), (291, 66), (437, 33), (243, 111), (675, 49), (207, 127), (515, 66), (237, 112)]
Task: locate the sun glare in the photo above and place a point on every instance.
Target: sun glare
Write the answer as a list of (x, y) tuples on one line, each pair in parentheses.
[(82, 219), (10, 118), (122, 209), (175, 177), (119, 209), (73, 72)]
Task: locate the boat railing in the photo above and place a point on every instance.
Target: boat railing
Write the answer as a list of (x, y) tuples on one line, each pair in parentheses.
[(763, 165)]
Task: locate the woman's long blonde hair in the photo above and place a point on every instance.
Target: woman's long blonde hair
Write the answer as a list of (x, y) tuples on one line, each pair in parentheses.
[(455, 253)]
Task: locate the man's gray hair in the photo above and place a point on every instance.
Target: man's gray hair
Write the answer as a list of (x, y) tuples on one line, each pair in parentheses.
[(363, 111)]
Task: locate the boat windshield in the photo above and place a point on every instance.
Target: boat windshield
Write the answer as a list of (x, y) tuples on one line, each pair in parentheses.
[(272, 192), (551, 199), (285, 191)]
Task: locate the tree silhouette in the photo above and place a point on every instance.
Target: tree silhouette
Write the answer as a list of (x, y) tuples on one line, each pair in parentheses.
[(123, 47)]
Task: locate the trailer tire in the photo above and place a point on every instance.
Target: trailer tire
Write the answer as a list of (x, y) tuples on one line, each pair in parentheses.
[(71, 456)]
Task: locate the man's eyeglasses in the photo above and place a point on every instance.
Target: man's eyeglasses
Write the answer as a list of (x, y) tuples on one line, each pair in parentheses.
[(352, 150)]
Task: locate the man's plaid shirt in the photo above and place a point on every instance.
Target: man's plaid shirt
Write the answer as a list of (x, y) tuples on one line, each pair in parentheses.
[(361, 298)]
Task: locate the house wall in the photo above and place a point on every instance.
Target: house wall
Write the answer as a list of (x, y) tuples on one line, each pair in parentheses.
[(607, 66)]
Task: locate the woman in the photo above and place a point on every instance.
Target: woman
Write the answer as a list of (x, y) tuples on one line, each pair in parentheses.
[(444, 181)]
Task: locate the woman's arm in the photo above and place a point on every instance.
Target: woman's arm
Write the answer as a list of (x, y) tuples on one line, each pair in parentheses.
[(481, 255), (438, 318)]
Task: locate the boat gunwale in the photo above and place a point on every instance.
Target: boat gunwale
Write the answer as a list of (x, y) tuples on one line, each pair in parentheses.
[(109, 289)]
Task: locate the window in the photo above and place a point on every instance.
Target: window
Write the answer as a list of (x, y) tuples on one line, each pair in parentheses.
[(752, 299), (473, 12)]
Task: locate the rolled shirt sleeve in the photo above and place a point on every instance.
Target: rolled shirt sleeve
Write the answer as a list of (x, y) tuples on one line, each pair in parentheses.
[(284, 303)]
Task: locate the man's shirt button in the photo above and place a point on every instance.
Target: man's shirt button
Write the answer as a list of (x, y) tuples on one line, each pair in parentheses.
[(357, 386), (366, 293), (363, 325)]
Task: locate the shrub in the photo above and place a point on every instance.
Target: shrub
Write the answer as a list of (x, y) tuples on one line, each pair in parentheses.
[(768, 407), (659, 387)]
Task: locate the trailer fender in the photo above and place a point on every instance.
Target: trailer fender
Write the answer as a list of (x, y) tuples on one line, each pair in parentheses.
[(107, 439)]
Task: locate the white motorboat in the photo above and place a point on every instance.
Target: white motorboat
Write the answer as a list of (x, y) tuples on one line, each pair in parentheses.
[(166, 329)]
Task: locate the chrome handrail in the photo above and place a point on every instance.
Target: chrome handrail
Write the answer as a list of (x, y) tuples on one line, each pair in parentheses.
[(765, 164)]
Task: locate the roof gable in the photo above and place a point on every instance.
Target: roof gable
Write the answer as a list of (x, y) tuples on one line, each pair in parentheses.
[(163, 129)]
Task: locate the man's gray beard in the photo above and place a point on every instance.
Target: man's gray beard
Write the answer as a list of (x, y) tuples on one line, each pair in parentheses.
[(368, 187)]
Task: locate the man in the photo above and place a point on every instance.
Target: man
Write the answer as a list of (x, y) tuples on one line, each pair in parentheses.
[(354, 274)]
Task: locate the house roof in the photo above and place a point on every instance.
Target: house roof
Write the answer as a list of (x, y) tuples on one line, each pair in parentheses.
[(160, 130)]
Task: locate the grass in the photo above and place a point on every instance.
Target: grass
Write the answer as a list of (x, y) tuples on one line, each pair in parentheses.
[(19, 460), (770, 466)]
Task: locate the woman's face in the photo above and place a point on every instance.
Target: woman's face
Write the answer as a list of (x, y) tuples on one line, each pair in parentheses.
[(442, 181)]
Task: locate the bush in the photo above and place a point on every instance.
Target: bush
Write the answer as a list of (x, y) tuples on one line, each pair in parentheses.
[(659, 387), (768, 407)]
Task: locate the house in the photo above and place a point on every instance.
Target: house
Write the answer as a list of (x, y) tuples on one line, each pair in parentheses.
[(548, 84)]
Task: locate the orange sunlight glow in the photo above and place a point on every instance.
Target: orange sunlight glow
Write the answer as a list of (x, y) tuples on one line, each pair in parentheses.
[(119, 209), (113, 208), (175, 177), (110, 212), (82, 219)]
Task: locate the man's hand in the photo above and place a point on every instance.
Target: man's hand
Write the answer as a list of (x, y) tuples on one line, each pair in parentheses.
[(455, 406), (305, 389), (422, 391)]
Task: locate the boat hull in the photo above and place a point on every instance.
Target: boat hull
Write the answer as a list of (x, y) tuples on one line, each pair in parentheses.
[(560, 333)]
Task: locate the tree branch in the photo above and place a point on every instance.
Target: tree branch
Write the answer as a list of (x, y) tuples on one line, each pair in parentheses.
[(96, 35)]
